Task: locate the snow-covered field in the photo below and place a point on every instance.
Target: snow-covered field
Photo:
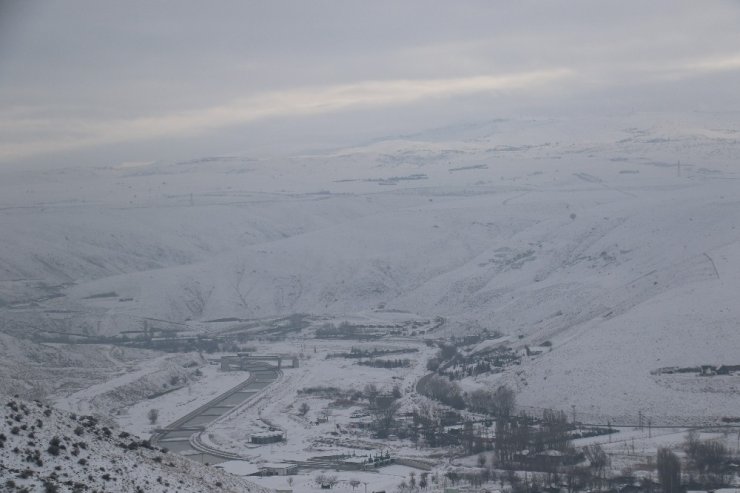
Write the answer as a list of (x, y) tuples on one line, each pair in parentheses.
[(387, 479), (306, 437), (176, 404)]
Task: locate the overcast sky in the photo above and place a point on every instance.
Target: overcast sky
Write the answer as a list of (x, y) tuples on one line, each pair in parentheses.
[(98, 82)]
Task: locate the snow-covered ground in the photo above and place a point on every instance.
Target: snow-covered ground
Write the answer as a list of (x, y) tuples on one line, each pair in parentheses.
[(43, 448), (178, 403), (308, 438), (386, 479), (613, 238)]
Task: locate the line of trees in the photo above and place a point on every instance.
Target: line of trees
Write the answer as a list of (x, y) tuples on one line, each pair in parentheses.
[(669, 471), (501, 402), (386, 363)]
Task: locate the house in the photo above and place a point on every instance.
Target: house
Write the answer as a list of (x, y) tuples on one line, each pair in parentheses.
[(536, 350), (358, 463), (278, 469), (631, 488), (266, 437), (548, 458), (727, 369)]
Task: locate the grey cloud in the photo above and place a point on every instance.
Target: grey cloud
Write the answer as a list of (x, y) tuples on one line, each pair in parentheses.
[(76, 73)]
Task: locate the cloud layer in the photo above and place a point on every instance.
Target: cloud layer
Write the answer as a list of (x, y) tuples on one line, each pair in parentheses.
[(133, 78)]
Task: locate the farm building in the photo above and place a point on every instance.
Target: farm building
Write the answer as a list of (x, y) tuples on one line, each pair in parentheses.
[(266, 437), (277, 469)]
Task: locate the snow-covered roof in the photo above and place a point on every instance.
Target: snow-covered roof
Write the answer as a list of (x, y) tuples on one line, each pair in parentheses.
[(267, 434)]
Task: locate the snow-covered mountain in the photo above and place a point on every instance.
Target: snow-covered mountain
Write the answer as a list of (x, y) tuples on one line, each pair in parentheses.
[(573, 231)]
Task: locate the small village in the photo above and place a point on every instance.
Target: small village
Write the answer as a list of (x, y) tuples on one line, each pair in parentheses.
[(413, 421)]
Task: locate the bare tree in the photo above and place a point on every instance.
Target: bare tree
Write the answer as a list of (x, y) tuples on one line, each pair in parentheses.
[(371, 392), (553, 433), (482, 460), (197, 297), (326, 480), (153, 415), (424, 480), (240, 275), (385, 418), (598, 459), (706, 456), (505, 401), (669, 471)]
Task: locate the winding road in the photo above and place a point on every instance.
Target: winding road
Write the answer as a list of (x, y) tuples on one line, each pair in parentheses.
[(180, 436)]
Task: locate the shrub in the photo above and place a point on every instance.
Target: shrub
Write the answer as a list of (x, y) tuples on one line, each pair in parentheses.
[(54, 446), (50, 487)]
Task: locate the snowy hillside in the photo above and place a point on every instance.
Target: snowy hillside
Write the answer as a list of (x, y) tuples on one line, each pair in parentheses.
[(575, 231), (41, 448)]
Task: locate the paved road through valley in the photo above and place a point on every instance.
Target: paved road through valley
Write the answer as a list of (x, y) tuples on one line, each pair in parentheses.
[(176, 436)]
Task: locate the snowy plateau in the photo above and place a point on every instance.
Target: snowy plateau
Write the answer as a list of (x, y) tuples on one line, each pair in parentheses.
[(610, 245)]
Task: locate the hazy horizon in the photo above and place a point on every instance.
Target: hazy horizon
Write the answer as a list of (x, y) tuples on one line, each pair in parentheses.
[(94, 83)]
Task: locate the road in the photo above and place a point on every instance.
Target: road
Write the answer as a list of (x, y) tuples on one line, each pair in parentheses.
[(177, 436)]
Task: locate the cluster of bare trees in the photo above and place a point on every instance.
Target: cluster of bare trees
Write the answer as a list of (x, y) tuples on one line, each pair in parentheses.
[(383, 408), (551, 433), (326, 480), (707, 461), (415, 484), (500, 402), (443, 390), (707, 465)]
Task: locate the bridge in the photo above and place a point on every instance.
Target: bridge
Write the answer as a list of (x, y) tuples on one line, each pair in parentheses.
[(244, 361)]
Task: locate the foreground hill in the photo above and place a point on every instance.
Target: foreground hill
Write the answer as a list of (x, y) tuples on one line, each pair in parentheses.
[(42, 449)]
